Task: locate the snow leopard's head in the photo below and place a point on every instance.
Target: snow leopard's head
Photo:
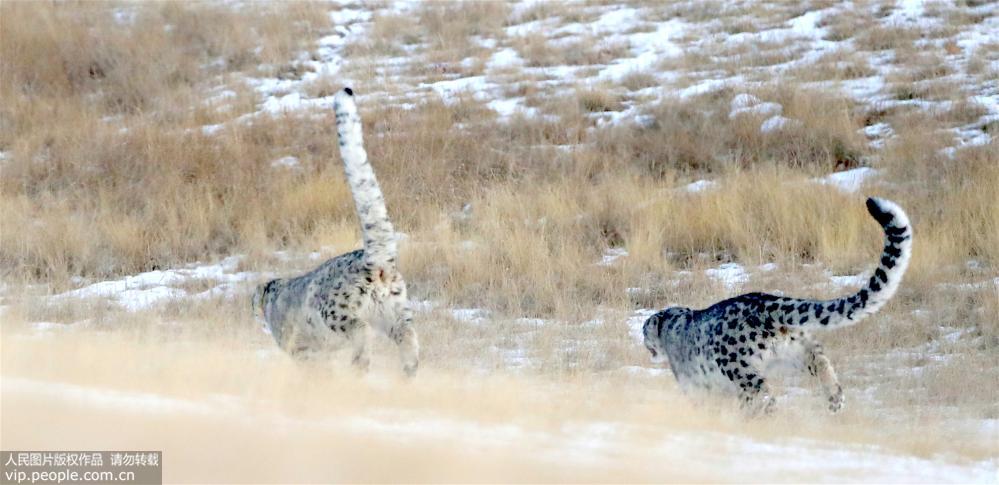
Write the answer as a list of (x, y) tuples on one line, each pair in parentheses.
[(656, 329), (260, 298)]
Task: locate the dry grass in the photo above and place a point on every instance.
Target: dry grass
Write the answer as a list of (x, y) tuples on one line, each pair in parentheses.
[(698, 134), (389, 34), (637, 80), (540, 51), (837, 65)]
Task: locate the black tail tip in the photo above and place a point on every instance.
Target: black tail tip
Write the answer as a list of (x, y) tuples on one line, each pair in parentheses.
[(350, 92), (882, 216)]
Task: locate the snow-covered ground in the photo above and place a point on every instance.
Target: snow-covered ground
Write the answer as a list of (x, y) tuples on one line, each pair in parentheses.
[(804, 39)]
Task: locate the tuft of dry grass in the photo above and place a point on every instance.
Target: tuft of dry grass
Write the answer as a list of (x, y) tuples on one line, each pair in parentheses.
[(539, 51), (596, 100), (638, 80)]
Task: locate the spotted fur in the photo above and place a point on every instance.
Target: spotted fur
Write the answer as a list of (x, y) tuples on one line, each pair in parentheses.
[(730, 345), (341, 300)]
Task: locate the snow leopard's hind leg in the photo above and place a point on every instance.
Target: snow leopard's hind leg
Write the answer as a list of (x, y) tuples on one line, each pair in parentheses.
[(404, 336), (358, 336), (819, 366)]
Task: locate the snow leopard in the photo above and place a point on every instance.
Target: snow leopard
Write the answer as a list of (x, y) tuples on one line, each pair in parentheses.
[(344, 298), (730, 346)]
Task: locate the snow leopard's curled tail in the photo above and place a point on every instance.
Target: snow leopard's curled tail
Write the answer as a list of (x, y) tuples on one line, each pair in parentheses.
[(879, 288), (379, 237)]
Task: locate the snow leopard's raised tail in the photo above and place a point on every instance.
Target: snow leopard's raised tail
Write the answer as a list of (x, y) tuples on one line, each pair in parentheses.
[(379, 237), (879, 288)]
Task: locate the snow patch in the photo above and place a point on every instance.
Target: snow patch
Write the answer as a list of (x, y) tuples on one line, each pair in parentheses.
[(450, 91), (848, 180), (778, 123), (853, 281), (636, 321), (699, 186), (145, 290), (504, 59), (732, 275), (761, 109), (285, 162), (470, 315), (611, 255)]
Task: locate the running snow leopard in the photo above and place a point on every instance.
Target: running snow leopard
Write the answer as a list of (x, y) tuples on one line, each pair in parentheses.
[(728, 346), (339, 301)]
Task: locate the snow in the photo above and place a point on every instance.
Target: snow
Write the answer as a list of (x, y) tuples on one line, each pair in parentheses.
[(470, 315), (222, 96), (644, 371), (611, 255), (807, 25), (507, 108), (732, 275), (209, 130), (699, 186), (647, 48), (504, 59), (146, 290), (853, 281), (743, 101), (346, 16), (278, 105), (141, 299), (617, 20), (450, 91), (706, 86), (908, 10), (286, 162), (878, 133), (777, 123), (848, 180), (760, 109)]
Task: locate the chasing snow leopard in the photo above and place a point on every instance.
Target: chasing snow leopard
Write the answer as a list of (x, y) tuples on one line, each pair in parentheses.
[(339, 301), (728, 346)]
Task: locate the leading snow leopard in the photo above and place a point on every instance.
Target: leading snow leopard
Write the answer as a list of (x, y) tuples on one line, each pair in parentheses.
[(728, 346), (341, 300)]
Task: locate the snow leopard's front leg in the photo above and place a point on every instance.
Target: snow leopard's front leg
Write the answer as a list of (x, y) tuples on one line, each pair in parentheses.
[(819, 366), (404, 336)]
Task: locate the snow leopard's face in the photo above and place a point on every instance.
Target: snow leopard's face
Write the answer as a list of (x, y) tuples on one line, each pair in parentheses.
[(257, 303), (263, 294), (655, 330), (653, 343)]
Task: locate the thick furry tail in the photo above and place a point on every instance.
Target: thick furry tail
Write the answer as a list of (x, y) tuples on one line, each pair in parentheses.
[(879, 288), (379, 237)]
